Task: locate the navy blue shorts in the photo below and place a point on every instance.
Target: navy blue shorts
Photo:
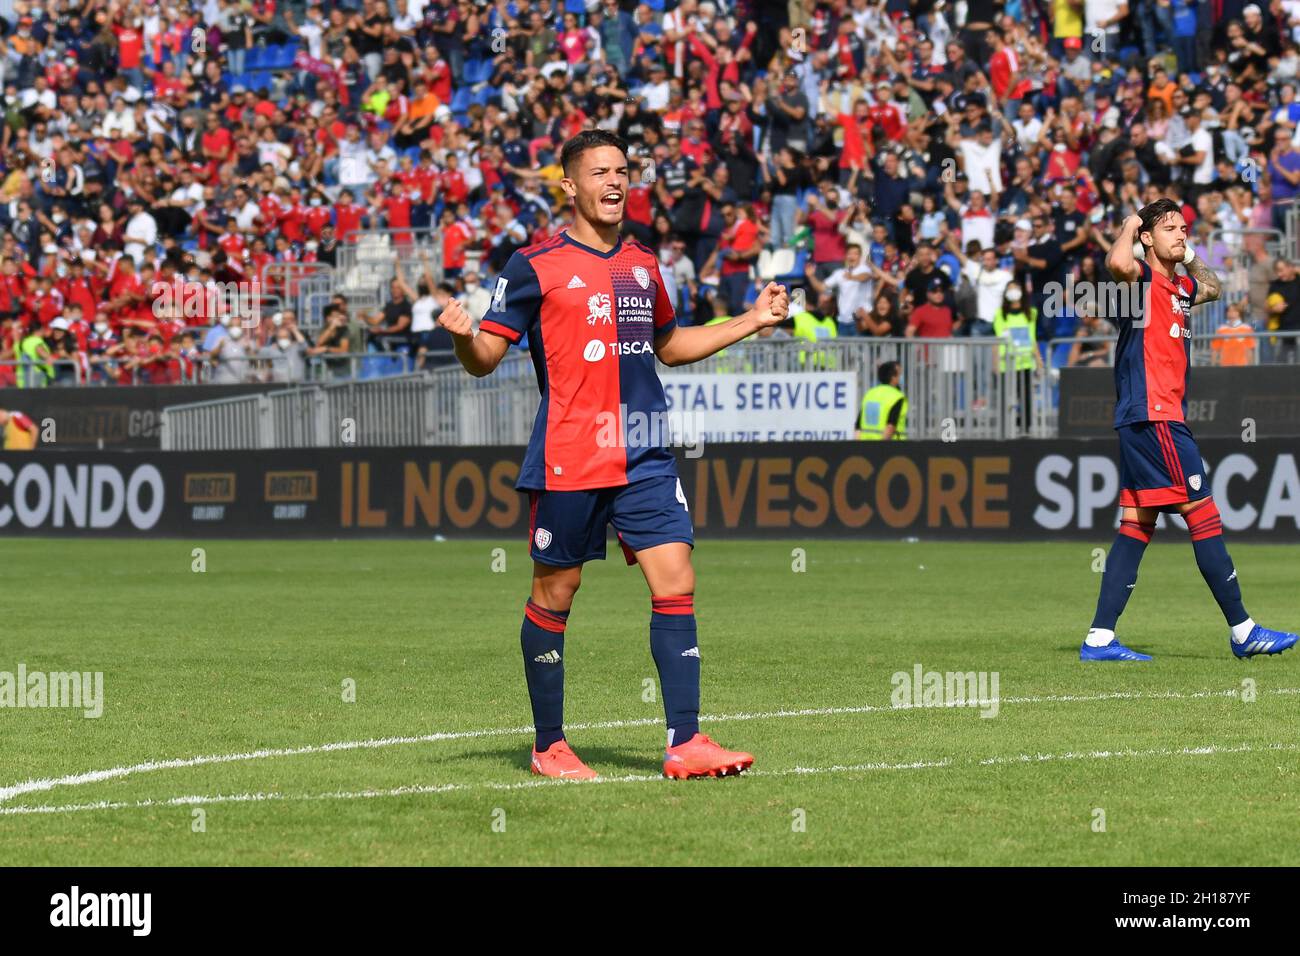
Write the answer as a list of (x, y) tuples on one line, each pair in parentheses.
[(567, 528), (1159, 465)]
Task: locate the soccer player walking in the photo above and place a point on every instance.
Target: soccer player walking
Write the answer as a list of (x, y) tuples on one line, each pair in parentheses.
[(1160, 466), (596, 314)]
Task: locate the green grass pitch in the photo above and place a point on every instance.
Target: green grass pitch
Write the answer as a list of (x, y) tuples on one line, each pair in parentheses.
[(1083, 764)]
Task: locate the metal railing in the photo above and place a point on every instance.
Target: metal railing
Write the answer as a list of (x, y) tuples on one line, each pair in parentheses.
[(303, 288), (392, 411), (955, 388), (28, 374), (1267, 348)]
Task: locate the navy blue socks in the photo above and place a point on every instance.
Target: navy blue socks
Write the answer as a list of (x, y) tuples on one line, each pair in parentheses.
[(677, 656), (542, 641)]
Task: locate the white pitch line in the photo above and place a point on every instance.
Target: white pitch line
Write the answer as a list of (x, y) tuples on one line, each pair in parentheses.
[(116, 773), (1208, 750)]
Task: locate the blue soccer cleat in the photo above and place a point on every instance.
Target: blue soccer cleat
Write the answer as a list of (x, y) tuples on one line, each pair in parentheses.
[(1262, 640), (1114, 651)]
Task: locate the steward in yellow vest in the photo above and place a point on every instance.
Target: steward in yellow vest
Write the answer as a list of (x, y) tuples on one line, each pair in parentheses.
[(884, 408)]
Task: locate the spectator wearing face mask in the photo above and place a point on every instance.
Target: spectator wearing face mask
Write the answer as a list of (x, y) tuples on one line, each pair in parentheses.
[(285, 355), (230, 357)]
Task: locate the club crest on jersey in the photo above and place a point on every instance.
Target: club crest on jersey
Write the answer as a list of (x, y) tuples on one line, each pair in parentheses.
[(543, 539), (1194, 482), (599, 308), (642, 276)]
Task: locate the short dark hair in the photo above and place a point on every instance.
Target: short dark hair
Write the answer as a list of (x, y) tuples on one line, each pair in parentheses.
[(589, 139), (1152, 213), (886, 371)]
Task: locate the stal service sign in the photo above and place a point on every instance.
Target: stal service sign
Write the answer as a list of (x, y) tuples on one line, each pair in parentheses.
[(748, 408)]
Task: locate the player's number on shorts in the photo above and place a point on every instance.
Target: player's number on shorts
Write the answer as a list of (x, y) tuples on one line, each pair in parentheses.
[(681, 495)]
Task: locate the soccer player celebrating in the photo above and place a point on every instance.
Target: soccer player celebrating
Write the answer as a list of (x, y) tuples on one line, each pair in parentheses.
[(1160, 466), (596, 314)]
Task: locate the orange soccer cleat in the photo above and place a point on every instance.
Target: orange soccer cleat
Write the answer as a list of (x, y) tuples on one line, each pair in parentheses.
[(559, 761), (701, 757)]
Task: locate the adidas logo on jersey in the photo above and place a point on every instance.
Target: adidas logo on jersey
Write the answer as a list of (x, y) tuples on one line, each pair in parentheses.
[(550, 657), (576, 283), (691, 652)]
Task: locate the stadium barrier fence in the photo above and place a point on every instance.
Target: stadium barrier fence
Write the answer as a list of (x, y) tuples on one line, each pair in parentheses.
[(965, 388), (396, 410)]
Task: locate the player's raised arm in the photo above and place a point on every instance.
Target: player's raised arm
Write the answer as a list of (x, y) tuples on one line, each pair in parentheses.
[(1208, 286), (682, 345), (1120, 260)]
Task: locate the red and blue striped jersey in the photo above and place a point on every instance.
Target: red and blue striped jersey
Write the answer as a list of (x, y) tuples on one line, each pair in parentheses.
[(1153, 354), (591, 318)]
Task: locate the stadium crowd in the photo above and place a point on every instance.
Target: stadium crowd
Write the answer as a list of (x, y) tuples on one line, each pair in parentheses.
[(921, 168)]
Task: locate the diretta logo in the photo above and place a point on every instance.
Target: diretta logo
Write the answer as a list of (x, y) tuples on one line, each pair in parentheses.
[(1174, 331), (595, 351), (543, 539)]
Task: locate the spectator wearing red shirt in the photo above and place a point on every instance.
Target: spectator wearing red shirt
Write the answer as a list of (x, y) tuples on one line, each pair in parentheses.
[(452, 182), (824, 218), (857, 144), (1004, 69), (130, 50), (695, 145), (933, 319), (318, 215), (396, 204), (886, 114), (125, 292), (347, 216), (738, 248), (456, 234), (216, 141)]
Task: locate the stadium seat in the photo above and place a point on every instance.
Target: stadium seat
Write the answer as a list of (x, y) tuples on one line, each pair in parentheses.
[(461, 99), (578, 7), (255, 58), (656, 5), (775, 263), (483, 95), (796, 270), (281, 57)]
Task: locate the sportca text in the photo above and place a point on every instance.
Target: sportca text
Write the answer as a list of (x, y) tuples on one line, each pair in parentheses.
[(35, 690)]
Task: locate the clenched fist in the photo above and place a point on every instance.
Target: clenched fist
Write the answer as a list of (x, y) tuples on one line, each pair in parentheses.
[(455, 319), (773, 305)]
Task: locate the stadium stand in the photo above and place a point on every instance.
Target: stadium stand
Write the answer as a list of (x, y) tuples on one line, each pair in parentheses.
[(220, 146)]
